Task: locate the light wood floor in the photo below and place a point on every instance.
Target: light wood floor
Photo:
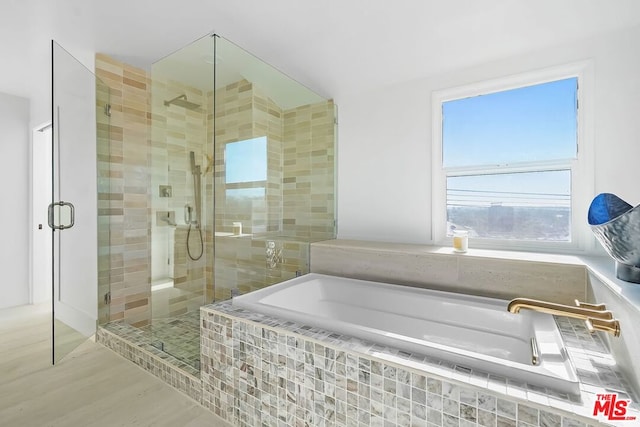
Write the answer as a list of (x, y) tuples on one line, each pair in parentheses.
[(92, 386)]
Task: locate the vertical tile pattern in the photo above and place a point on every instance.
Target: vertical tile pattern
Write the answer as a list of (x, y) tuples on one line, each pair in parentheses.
[(299, 196), (234, 117), (104, 199), (143, 145), (124, 158), (148, 147), (176, 131), (209, 187), (267, 121), (247, 264), (239, 262), (145, 150), (309, 186), (243, 112)]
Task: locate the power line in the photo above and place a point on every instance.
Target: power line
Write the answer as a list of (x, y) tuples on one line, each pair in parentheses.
[(508, 192)]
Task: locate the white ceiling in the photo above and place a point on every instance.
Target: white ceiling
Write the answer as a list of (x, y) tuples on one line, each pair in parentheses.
[(193, 66), (335, 47)]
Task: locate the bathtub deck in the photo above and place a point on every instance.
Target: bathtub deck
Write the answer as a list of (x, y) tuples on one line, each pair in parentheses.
[(230, 328)]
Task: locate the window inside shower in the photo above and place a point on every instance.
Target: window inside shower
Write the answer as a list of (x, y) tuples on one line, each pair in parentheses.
[(245, 176)]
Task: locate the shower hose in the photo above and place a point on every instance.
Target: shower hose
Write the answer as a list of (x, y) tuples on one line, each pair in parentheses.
[(201, 242)]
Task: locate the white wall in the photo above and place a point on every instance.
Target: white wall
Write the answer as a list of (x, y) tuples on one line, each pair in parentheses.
[(14, 215), (41, 239), (384, 150), (41, 82)]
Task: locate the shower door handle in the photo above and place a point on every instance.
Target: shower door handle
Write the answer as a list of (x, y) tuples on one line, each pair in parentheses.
[(51, 213)]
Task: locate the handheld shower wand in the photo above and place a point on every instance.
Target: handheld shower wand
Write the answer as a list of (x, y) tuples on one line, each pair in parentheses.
[(195, 171)]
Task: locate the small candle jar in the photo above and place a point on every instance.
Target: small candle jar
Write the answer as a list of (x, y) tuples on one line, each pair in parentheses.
[(237, 228), (460, 240)]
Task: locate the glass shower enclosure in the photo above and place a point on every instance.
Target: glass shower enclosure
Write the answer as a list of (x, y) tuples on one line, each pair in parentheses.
[(79, 133), (240, 180), (181, 200)]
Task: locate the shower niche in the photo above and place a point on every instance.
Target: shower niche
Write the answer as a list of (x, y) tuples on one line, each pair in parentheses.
[(224, 176)]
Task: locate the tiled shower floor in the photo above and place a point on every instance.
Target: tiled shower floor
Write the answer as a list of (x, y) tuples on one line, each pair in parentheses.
[(177, 338)]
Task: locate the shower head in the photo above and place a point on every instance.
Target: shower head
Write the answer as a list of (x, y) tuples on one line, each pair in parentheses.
[(181, 101)]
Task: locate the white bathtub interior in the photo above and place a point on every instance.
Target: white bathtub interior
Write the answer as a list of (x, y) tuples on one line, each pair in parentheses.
[(472, 332)]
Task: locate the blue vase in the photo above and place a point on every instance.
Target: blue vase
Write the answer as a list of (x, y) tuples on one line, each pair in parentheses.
[(616, 225)]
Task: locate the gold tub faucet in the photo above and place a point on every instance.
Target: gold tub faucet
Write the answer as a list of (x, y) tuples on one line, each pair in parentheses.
[(596, 316)]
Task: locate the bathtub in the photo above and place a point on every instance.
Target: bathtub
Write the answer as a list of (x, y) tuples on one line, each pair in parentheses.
[(473, 332)]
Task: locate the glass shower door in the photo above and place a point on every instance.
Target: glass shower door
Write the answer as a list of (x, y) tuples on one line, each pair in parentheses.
[(73, 210), (181, 170)]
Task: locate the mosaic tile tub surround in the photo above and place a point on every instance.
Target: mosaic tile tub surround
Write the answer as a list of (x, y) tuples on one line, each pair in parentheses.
[(260, 370), (132, 344)]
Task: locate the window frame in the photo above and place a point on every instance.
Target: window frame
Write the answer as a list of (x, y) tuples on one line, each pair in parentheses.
[(581, 168)]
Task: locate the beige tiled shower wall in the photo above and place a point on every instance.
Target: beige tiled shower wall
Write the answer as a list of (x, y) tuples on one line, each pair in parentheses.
[(177, 131), (208, 185), (104, 200), (246, 264), (300, 197), (235, 121), (267, 121), (123, 156), (240, 261), (144, 145), (309, 171)]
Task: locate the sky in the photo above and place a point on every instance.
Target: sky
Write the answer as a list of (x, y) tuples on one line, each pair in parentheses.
[(246, 160), (531, 123), (549, 188)]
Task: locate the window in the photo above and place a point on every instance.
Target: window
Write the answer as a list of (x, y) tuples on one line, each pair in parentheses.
[(246, 170), (509, 162)]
